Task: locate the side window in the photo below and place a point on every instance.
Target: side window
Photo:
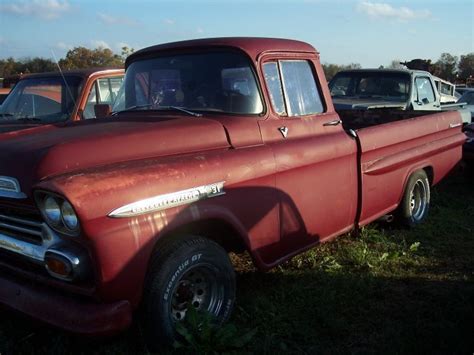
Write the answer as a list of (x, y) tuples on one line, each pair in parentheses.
[(425, 90), (91, 101), (108, 89), (297, 85), (272, 78)]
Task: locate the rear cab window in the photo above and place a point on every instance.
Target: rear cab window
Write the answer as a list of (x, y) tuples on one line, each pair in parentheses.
[(293, 88)]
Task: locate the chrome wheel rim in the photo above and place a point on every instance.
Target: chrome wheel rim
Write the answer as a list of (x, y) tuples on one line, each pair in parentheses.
[(418, 200), (198, 288)]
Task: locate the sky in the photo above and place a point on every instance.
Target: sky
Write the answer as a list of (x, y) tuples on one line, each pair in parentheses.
[(369, 32)]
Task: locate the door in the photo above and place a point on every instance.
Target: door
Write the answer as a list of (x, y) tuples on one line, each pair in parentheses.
[(316, 160)]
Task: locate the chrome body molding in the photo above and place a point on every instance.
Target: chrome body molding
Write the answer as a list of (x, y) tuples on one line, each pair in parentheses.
[(10, 187), (32, 251), (174, 199), (454, 125)]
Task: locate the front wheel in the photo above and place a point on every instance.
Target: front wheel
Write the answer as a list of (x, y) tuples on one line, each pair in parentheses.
[(416, 199), (187, 271)]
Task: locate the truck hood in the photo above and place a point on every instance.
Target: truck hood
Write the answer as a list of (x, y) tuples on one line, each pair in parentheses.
[(366, 104), (35, 154)]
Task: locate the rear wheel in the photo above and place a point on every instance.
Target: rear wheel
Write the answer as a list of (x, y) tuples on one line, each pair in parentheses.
[(416, 199), (187, 271)]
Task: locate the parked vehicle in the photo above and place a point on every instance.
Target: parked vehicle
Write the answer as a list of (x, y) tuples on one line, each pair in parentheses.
[(47, 98), (467, 100), (215, 145), (395, 89), (468, 149)]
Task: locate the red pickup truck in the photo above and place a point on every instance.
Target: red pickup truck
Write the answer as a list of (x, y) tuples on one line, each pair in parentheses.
[(213, 146)]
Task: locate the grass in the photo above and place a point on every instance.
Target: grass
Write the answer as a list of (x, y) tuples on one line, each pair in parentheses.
[(388, 291)]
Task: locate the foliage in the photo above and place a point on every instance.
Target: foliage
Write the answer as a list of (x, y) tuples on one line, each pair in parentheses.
[(331, 69), (446, 67), (199, 334), (11, 66), (466, 66), (81, 57)]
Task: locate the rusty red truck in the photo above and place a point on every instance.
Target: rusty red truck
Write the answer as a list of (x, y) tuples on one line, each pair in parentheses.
[(213, 146)]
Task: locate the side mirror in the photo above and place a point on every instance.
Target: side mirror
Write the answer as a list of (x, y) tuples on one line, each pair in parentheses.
[(102, 110)]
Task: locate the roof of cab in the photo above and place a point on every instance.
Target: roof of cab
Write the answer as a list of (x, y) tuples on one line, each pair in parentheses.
[(253, 46), (374, 70), (76, 72)]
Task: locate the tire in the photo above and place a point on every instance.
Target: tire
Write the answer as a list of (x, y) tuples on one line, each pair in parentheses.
[(185, 270), (415, 203)]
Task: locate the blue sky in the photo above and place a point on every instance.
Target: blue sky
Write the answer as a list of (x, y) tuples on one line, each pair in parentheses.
[(368, 32)]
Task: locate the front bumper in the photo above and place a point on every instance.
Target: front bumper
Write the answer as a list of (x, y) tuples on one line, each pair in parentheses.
[(75, 315)]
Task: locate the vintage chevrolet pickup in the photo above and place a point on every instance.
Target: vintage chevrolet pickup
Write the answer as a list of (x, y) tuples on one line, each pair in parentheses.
[(214, 146)]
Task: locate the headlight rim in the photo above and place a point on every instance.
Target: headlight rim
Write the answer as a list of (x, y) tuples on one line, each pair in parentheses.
[(40, 197)]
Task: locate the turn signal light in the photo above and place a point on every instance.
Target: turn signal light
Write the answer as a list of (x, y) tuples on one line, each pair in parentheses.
[(58, 266)]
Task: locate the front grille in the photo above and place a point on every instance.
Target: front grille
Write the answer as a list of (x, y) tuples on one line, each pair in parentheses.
[(22, 228)]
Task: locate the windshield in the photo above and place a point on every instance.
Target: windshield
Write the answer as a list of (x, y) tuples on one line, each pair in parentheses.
[(211, 81), (381, 85), (45, 100)]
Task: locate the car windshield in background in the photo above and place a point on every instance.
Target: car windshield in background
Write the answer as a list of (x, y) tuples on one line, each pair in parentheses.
[(211, 81), (387, 86), (43, 100)]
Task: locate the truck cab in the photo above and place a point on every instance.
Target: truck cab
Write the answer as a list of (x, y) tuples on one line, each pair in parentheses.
[(58, 97)]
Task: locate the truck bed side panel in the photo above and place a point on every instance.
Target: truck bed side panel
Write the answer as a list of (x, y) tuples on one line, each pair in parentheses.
[(391, 152)]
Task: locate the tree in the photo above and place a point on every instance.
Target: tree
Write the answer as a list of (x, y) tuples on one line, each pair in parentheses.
[(446, 66), (81, 57), (466, 66), (126, 52), (332, 69), (395, 64)]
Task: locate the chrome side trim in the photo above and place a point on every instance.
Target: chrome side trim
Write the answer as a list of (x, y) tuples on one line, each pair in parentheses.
[(174, 199), (33, 252), (10, 187), (454, 125)]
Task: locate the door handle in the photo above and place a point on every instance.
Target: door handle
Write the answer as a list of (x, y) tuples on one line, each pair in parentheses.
[(332, 123)]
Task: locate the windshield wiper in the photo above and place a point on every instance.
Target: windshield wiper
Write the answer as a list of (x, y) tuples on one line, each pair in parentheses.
[(29, 119), (176, 108), (182, 109)]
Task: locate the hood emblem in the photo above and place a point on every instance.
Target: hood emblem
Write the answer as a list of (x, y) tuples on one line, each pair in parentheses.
[(174, 199), (10, 187)]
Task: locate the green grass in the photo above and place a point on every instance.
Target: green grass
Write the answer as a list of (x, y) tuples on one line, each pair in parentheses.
[(387, 291)]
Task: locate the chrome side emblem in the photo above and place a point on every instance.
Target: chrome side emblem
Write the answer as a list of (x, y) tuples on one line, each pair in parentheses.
[(284, 131), (10, 187), (174, 199)]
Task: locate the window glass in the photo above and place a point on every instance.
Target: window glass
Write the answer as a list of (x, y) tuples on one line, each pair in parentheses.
[(91, 101), (446, 89), (108, 88), (46, 100), (211, 81), (272, 78), (300, 88), (425, 90)]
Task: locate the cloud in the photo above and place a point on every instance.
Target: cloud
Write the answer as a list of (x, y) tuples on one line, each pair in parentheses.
[(199, 30), (116, 20), (386, 11), (168, 21), (96, 43), (44, 9), (64, 46)]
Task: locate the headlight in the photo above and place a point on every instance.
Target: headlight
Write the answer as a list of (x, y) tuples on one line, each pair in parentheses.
[(52, 211), (58, 213), (69, 216)]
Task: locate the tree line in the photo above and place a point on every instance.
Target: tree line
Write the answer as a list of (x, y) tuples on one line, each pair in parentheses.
[(76, 58), (448, 67)]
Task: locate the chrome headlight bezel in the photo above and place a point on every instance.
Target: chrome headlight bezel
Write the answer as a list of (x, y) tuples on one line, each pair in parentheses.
[(43, 198)]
